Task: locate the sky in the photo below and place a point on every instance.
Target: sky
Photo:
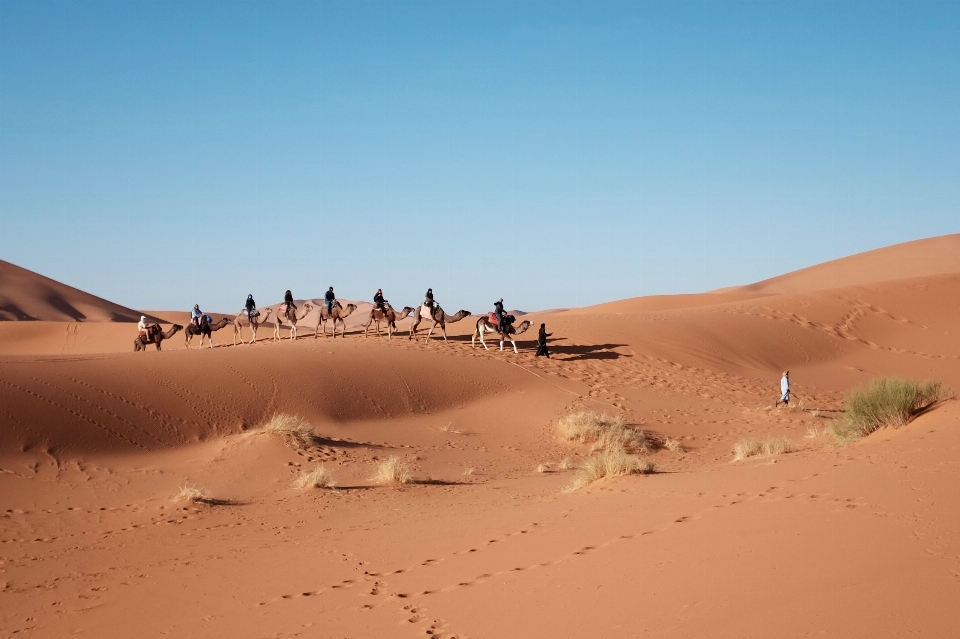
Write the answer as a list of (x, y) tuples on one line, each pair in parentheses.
[(555, 154)]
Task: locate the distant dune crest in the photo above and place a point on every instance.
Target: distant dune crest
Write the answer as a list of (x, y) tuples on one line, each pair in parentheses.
[(29, 296)]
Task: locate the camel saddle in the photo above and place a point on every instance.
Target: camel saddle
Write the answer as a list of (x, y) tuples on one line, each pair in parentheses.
[(426, 311), (150, 331), (492, 318)]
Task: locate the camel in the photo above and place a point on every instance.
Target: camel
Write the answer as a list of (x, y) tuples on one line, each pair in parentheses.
[(337, 314), (140, 344), (242, 320), (389, 316), (484, 325), (291, 317), (205, 330), (439, 318)]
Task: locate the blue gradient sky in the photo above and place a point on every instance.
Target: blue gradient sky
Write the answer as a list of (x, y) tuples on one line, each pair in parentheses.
[(160, 154)]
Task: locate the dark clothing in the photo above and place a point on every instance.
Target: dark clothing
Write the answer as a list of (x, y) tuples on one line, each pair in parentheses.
[(542, 342), (498, 311), (288, 299), (378, 301), (329, 296), (251, 306), (542, 337)]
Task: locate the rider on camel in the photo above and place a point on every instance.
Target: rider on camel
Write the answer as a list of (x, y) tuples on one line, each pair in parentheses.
[(251, 306), (330, 298), (428, 300), (196, 315), (498, 311), (379, 302), (288, 300)]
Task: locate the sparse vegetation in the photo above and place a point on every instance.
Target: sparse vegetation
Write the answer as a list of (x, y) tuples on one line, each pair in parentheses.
[(565, 464), (603, 431), (609, 463), (392, 471), (544, 468), (761, 448), (673, 444), (469, 471), (885, 402), (295, 431), (319, 477), (193, 495)]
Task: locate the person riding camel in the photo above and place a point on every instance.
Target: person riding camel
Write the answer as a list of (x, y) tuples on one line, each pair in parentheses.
[(428, 299), (498, 311), (142, 324), (288, 300), (196, 315), (379, 303), (251, 306), (330, 298)]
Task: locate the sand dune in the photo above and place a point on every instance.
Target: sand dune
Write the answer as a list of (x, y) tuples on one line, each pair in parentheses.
[(858, 541), (25, 295), (921, 258)]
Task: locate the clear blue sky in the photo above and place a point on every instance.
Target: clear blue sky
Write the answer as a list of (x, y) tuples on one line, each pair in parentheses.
[(160, 154)]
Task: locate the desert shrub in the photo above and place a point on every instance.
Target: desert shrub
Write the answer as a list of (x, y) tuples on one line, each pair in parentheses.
[(603, 431), (392, 471), (295, 431), (319, 477), (609, 463), (193, 495), (672, 444), (887, 401), (756, 448)]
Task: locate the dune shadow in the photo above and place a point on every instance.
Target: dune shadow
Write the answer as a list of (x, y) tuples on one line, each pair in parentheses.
[(212, 501), (575, 352), (438, 482)]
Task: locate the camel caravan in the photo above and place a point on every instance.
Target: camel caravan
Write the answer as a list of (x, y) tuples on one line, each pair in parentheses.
[(382, 317)]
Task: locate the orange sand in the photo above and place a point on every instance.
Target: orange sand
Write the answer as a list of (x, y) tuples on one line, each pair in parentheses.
[(862, 541)]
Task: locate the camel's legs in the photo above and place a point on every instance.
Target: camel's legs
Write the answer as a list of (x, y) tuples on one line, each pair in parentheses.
[(482, 331), (514, 345)]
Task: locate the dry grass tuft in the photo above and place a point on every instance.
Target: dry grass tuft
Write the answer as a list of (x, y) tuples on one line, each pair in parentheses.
[(295, 431), (603, 431), (565, 464), (609, 463), (885, 402), (544, 468), (469, 471), (756, 448), (193, 495), (319, 477), (392, 471), (673, 444)]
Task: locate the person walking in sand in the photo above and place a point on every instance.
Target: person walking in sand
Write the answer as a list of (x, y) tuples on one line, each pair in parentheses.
[(542, 342), (784, 390)]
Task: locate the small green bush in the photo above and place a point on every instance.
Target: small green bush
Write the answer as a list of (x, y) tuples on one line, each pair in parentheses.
[(887, 401)]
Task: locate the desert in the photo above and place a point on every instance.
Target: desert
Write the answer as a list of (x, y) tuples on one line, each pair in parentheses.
[(176, 492)]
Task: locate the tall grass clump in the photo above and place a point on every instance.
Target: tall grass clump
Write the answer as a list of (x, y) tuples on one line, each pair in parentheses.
[(295, 431), (761, 448), (609, 463), (392, 471), (887, 401), (603, 431), (319, 477)]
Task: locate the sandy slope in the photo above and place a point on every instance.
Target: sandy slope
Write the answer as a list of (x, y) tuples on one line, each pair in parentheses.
[(860, 541), (25, 295)]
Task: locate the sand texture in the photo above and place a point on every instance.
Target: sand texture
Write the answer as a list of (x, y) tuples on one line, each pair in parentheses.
[(486, 539)]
